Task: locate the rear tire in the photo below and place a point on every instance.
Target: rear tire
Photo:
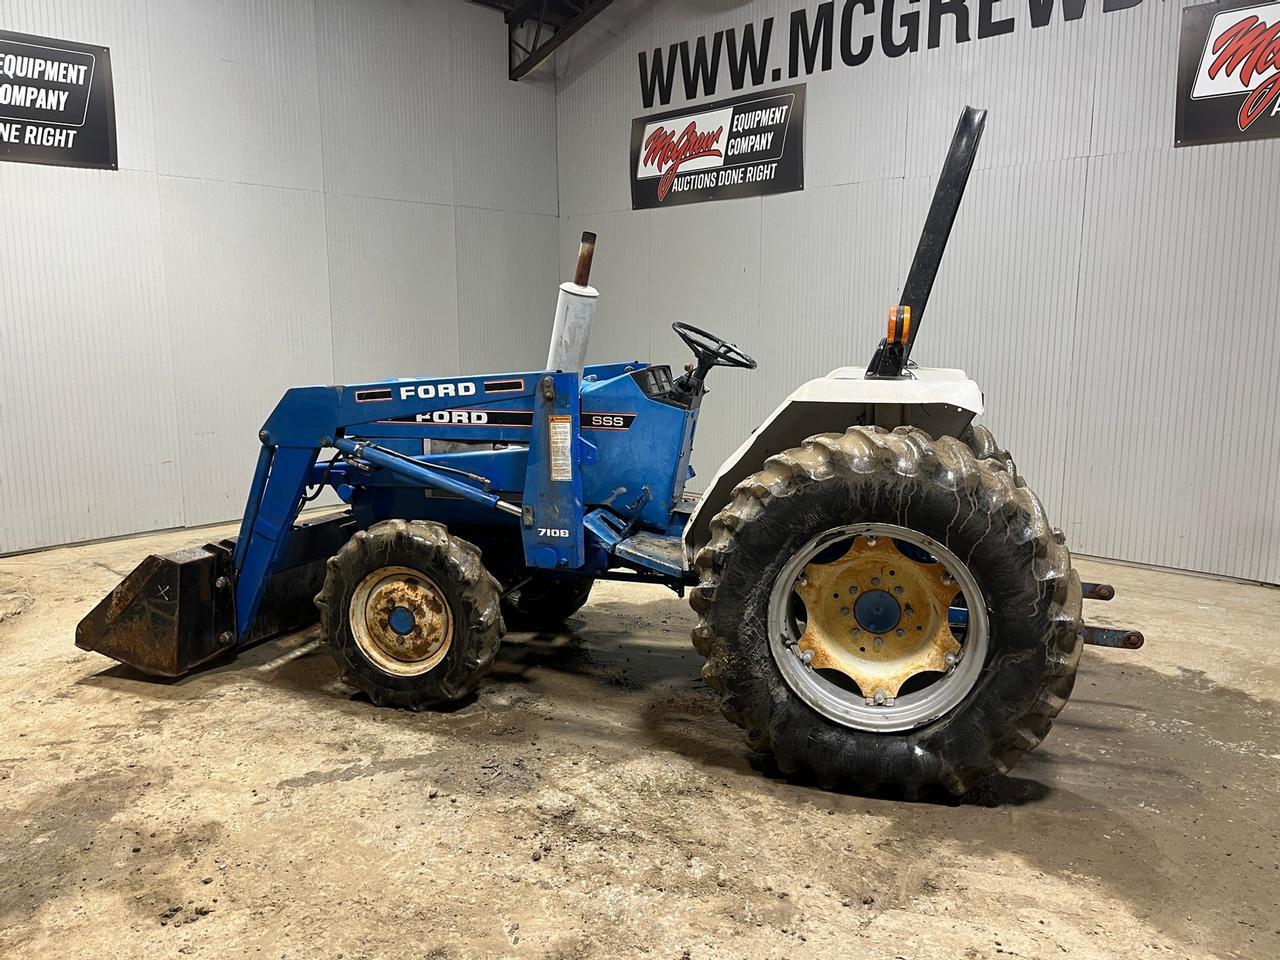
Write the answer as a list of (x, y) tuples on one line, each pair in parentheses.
[(410, 614), (943, 494), (984, 445)]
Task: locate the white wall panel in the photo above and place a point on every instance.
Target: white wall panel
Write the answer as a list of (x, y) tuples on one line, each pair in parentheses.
[(503, 133), (86, 384), (1037, 85), (1004, 306), (831, 264), (235, 89), (386, 98), (286, 241), (1136, 67), (863, 110), (393, 282), (625, 324), (507, 269), (249, 306), (706, 270), (1173, 450), (595, 103)]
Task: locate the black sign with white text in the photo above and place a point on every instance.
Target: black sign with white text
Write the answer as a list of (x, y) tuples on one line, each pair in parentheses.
[(56, 102), (741, 147), (1229, 72)]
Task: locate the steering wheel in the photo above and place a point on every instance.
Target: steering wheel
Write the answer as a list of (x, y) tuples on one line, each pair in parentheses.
[(711, 351)]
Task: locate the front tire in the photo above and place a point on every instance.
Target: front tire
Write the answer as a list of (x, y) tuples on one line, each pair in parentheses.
[(868, 483), (410, 614)]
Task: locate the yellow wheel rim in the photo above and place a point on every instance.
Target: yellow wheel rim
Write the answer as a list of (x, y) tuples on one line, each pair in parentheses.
[(877, 616), (860, 627)]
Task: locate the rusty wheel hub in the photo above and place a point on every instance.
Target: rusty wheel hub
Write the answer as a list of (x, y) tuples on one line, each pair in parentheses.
[(401, 621), (860, 627), (877, 617)]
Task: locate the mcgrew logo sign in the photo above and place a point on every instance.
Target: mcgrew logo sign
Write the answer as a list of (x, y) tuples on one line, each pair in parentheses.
[(1229, 73)]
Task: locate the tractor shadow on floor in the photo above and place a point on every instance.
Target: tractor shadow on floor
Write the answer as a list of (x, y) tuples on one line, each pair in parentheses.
[(691, 725), (612, 659), (654, 687), (264, 656)]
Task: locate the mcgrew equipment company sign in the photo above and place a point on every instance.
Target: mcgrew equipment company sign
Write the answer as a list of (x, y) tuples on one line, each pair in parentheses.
[(1229, 73), (741, 147), (56, 103)]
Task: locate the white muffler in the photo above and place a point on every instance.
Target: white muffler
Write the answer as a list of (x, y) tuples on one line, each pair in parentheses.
[(575, 312)]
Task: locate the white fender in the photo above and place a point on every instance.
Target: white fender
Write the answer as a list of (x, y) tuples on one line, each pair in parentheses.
[(940, 402)]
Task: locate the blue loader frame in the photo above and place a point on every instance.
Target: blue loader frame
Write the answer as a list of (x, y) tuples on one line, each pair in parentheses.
[(589, 473)]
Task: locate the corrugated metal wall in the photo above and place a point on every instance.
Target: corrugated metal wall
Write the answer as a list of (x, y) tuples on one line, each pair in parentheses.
[(1116, 298), (309, 191), (319, 190)]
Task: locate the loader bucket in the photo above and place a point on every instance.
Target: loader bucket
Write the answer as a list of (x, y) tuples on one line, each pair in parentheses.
[(168, 616), (177, 611)]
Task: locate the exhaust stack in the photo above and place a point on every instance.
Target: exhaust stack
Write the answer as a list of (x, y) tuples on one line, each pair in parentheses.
[(575, 312)]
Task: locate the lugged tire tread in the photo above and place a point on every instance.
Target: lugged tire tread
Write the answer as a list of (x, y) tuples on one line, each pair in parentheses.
[(989, 483), (978, 438), (478, 619)]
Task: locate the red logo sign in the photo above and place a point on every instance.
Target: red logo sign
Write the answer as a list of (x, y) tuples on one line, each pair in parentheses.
[(745, 146), (1242, 56), (666, 152)]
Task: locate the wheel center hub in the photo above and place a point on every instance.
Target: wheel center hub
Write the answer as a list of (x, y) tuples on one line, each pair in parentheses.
[(401, 620), (877, 611)]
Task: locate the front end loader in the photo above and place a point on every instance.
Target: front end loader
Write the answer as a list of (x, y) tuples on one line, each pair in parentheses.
[(881, 598)]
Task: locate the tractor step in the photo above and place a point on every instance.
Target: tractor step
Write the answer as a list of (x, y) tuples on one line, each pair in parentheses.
[(653, 551)]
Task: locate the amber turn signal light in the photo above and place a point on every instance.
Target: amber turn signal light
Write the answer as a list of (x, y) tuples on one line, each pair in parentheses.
[(899, 325)]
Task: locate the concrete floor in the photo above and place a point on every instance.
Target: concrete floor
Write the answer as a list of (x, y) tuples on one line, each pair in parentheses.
[(592, 803)]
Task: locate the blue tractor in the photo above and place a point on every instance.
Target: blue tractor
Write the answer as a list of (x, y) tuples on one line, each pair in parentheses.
[(881, 598)]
